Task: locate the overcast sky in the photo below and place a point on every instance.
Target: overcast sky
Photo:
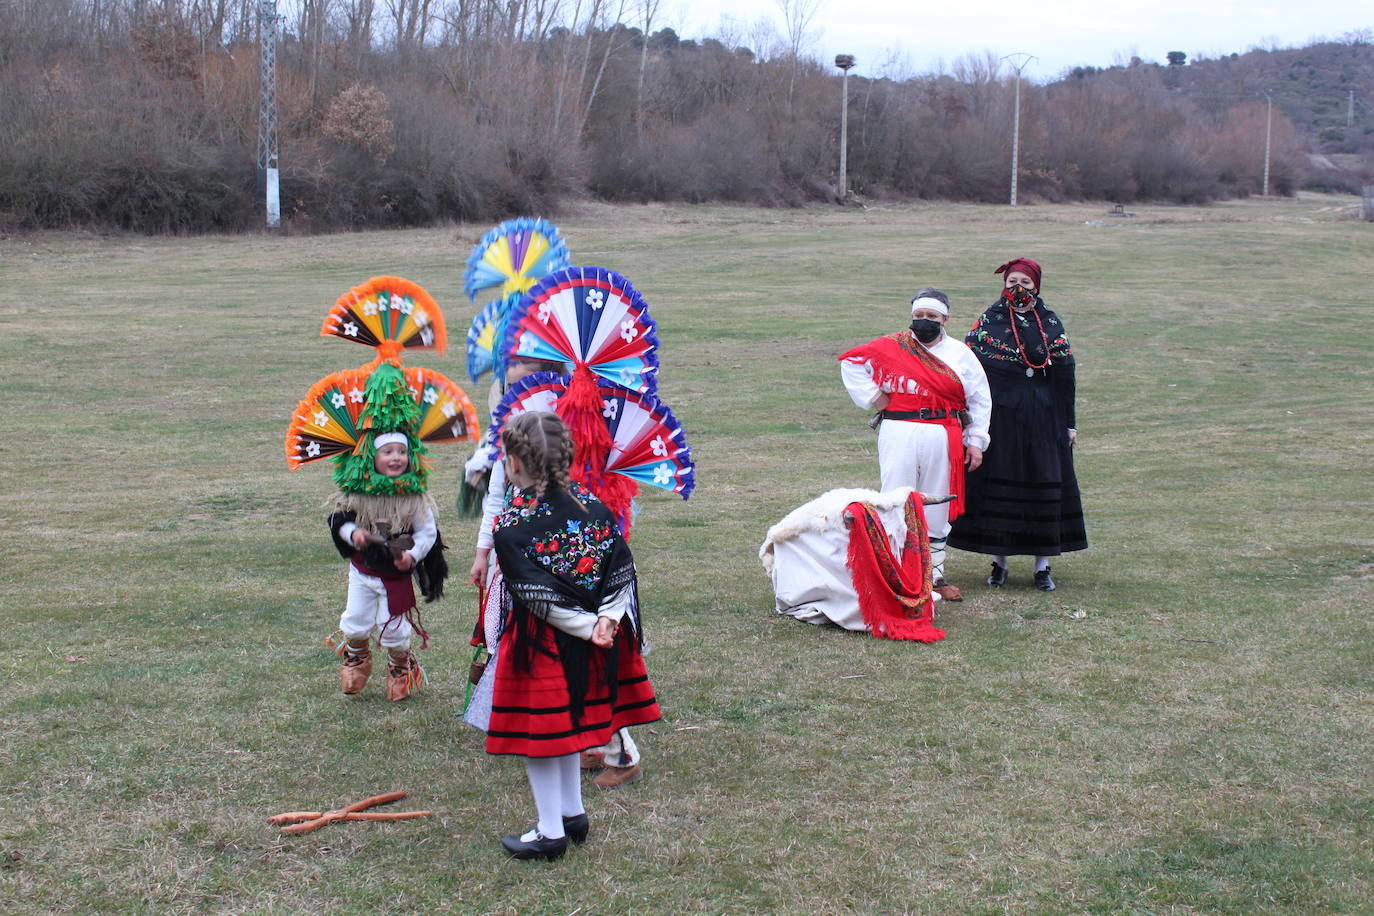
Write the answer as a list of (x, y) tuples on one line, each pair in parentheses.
[(921, 36)]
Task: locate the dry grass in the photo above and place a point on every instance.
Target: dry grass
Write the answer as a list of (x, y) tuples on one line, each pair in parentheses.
[(1185, 726)]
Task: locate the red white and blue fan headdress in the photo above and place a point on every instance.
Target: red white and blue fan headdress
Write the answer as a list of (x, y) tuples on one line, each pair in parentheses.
[(590, 317), (646, 442), (512, 257)]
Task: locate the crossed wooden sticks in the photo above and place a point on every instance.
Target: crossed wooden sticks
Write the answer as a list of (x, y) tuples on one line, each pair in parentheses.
[(306, 821)]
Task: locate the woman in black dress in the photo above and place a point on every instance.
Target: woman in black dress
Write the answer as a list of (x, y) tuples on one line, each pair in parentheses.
[(1024, 498)]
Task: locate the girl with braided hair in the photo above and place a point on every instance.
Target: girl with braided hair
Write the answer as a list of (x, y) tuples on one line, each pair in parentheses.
[(570, 672)]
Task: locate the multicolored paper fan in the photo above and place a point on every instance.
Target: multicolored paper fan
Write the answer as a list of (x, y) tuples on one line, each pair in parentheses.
[(483, 337), (647, 443), (447, 414), (514, 256), (591, 317), (388, 313), (325, 423)]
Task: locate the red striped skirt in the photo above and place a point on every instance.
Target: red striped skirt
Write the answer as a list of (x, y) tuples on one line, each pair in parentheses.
[(529, 710)]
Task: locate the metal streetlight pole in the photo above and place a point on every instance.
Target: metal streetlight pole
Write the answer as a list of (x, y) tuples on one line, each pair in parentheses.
[(1016, 116), (846, 63), (1268, 130)]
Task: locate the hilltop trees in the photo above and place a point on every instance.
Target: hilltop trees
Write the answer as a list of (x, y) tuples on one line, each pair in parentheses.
[(143, 115)]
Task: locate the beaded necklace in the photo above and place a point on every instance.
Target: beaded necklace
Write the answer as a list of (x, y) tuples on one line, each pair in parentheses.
[(1020, 347)]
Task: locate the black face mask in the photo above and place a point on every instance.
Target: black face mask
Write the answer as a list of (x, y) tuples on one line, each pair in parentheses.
[(926, 329), (1018, 296)]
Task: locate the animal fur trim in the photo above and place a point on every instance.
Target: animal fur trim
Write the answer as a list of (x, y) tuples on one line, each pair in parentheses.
[(825, 511), (397, 511)]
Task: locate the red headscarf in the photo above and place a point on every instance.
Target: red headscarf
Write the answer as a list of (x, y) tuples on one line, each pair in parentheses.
[(1026, 266)]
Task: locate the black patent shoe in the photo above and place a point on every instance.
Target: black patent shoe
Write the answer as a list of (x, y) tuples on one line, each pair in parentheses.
[(998, 578), (576, 827), (1043, 580), (541, 847)]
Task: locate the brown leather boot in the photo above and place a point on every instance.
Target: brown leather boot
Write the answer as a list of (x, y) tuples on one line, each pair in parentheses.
[(356, 668), (403, 677), (947, 591)]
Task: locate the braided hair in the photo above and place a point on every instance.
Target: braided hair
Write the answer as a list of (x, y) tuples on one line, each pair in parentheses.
[(544, 446)]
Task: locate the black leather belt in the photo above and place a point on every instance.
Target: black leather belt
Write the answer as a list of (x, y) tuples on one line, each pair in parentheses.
[(925, 413)]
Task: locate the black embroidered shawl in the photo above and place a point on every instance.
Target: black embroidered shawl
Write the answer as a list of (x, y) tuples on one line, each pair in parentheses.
[(992, 340), (564, 548)]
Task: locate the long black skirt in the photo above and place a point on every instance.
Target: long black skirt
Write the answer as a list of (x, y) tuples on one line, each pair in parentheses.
[(1024, 498)]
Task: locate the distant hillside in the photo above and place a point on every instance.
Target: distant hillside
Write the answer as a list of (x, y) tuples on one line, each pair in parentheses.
[(1314, 86), (1311, 85)]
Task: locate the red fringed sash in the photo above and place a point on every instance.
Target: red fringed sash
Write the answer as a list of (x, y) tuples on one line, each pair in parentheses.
[(894, 598), (581, 409), (400, 597), (898, 364)]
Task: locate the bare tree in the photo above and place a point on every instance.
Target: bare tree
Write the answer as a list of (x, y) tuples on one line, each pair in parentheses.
[(797, 16)]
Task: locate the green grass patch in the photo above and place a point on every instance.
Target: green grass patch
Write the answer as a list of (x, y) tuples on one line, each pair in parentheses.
[(1184, 726)]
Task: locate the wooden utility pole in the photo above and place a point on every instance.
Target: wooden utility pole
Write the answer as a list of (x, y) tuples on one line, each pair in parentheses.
[(1016, 117)]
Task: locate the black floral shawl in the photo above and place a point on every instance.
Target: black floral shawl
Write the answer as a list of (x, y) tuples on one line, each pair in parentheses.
[(563, 548), (992, 340)]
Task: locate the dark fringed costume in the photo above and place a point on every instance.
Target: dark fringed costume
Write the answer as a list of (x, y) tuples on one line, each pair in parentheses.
[(1024, 499)]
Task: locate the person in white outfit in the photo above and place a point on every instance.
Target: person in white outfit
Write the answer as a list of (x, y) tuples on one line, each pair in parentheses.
[(933, 407)]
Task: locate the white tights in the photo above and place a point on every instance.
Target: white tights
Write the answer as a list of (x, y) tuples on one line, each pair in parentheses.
[(557, 786)]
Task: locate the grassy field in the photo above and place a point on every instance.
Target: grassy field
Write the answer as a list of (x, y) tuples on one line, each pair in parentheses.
[(1185, 726)]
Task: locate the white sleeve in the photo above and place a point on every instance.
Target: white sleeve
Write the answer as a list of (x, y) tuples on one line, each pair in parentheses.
[(425, 534), (977, 397), (858, 381), (618, 605), (346, 532), (483, 458), (580, 624), (492, 505), (573, 622)]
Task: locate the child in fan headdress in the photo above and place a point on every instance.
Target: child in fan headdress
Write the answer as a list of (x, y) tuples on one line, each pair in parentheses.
[(387, 539), (372, 423), (613, 765), (570, 671)]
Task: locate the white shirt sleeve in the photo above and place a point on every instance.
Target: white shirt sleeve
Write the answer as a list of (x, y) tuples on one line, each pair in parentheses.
[(346, 533), (580, 624), (976, 396), (858, 381), (492, 505), (483, 458), (425, 534)]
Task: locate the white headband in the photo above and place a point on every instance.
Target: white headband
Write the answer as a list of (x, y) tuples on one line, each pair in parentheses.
[(390, 439), (929, 303)]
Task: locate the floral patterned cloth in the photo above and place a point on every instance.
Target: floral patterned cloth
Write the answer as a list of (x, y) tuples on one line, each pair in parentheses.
[(555, 693)]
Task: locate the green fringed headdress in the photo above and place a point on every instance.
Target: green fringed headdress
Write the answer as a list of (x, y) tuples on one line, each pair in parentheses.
[(389, 406)]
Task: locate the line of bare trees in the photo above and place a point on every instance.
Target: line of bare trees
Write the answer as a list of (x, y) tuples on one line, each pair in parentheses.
[(142, 114)]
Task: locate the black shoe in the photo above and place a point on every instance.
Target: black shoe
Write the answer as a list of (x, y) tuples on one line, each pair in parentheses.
[(576, 827), (998, 577), (1043, 580), (539, 847)]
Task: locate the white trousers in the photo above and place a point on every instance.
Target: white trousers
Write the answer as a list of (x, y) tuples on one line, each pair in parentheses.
[(916, 455), (621, 750), (367, 610)]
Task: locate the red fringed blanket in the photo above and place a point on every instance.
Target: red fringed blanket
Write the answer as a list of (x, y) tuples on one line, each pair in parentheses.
[(894, 597)]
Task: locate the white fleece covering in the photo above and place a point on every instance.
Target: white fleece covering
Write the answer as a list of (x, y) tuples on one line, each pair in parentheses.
[(805, 553)]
